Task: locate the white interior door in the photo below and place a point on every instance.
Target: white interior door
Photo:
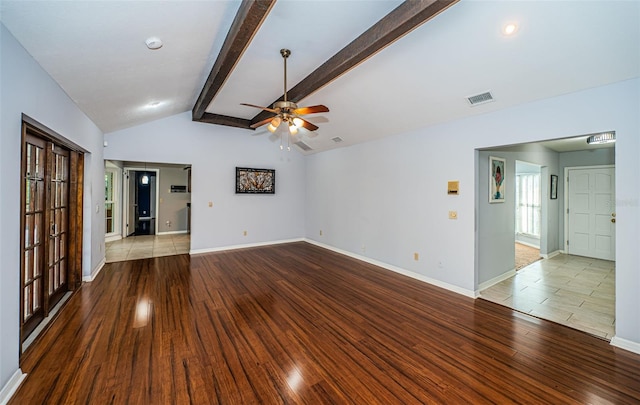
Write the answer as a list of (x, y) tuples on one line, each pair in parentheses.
[(591, 212)]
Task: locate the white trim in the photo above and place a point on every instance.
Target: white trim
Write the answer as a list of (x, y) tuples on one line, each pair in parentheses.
[(171, 232), (387, 266), (527, 243), (95, 272), (625, 344), (399, 270), (249, 245), (112, 238), (496, 280), (552, 254), (11, 386)]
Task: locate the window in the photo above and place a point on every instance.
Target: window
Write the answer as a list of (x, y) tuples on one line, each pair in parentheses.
[(110, 202), (528, 204)]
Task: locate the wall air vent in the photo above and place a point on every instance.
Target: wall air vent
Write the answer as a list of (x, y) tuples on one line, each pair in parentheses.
[(303, 146), (480, 98), (337, 139)]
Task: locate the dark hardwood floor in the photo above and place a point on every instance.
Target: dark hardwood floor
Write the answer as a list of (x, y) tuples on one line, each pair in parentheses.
[(296, 324)]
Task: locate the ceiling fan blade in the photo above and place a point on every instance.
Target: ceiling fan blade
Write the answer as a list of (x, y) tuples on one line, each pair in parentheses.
[(262, 108), (311, 110), (307, 125), (261, 123)]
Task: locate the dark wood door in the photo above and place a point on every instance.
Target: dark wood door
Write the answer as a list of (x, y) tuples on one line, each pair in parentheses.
[(58, 197), (33, 169)]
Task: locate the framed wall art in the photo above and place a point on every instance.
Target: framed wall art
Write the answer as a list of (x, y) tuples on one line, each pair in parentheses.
[(255, 181), (496, 179), (554, 187)]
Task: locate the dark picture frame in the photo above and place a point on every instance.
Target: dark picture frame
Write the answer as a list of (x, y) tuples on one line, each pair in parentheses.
[(255, 181), (554, 187)]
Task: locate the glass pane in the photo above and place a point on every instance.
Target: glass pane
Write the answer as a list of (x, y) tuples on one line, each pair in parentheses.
[(37, 189), (28, 229), (39, 169), (63, 194), (52, 250), (63, 271), (37, 286), (52, 272), (62, 251), (63, 220), (37, 270), (28, 254), (37, 227), (29, 162), (28, 196), (27, 302)]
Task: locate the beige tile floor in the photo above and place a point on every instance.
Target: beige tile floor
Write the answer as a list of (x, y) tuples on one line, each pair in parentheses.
[(571, 290), (144, 246)]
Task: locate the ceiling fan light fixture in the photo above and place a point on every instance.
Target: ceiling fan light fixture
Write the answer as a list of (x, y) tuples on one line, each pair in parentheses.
[(298, 122), (605, 137), (293, 129), (274, 124)]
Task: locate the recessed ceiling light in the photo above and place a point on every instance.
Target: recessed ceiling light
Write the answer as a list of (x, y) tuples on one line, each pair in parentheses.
[(153, 43), (510, 29)]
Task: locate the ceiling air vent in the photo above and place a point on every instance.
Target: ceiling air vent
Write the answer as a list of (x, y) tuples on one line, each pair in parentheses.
[(303, 146), (337, 139), (480, 98)]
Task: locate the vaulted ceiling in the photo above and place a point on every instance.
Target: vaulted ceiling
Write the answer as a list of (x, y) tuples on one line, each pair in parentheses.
[(218, 54)]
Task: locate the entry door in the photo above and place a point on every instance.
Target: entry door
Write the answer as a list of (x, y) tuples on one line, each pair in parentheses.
[(592, 212)]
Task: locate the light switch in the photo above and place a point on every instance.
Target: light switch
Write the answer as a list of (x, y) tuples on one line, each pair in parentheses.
[(453, 214)]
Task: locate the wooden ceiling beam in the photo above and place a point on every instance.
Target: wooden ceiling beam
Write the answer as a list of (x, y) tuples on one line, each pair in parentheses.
[(403, 19), (218, 119), (246, 23)]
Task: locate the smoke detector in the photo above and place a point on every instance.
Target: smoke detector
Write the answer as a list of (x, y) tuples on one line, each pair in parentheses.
[(153, 43)]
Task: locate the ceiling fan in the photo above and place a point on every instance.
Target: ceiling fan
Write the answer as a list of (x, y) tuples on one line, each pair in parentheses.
[(287, 111)]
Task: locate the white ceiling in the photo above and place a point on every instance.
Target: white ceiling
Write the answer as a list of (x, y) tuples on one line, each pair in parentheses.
[(95, 50)]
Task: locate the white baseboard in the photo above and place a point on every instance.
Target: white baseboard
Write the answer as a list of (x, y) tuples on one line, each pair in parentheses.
[(95, 272), (625, 344), (396, 269), (527, 244), (248, 245), (11, 386), (113, 238), (171, 233), (552, 254), (496, 280)]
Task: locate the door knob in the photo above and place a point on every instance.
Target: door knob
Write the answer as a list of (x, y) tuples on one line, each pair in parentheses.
[(613, 214), (613, 220)]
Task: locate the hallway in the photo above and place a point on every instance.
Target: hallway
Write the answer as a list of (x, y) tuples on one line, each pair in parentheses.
[(571, 290)]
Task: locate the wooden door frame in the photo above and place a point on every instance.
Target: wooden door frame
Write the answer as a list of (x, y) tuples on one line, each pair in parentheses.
[(75, 214)]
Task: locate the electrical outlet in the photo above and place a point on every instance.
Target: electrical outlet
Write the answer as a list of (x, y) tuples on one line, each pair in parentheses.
[(244, 233), (416, 256), (453, 214), (320, 232), (210, 204)]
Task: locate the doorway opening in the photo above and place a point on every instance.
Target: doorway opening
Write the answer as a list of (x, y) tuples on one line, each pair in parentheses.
[(528, 213), (567, 286), (154, 214)]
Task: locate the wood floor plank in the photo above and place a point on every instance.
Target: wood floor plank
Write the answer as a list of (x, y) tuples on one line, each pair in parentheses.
[(295, 323)]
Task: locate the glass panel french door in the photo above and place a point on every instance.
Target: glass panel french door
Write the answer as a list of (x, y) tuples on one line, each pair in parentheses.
[(58, 224), (44, 274), (33, 244)]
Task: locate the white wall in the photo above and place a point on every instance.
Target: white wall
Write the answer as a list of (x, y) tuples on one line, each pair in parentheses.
[(28, 89), (214, 152), (390, 196)]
